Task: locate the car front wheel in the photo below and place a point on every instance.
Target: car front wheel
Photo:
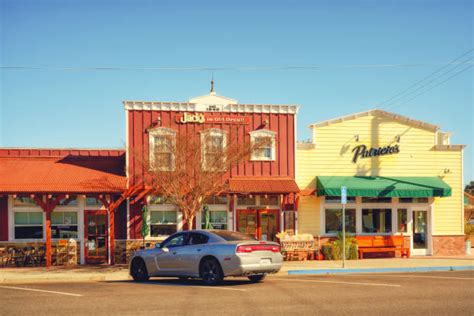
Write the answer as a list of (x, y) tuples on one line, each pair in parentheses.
[(211, 272), (256, 277), (138, 270)]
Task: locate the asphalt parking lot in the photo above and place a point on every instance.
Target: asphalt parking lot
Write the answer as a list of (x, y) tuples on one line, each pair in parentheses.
[(440, 293)]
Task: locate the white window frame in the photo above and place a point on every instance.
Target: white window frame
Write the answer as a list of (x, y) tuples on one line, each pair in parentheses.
[(323, 220), (163, 208), (211, 133), (67, 209), (156, 132), (263, 133)]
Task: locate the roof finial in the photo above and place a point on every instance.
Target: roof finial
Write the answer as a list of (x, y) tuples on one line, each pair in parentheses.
[(212, 85)]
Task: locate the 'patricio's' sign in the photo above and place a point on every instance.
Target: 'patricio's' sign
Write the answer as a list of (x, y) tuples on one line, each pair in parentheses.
[(361, 151)]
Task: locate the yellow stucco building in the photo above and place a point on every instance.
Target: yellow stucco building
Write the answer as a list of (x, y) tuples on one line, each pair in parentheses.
[(402, 176)]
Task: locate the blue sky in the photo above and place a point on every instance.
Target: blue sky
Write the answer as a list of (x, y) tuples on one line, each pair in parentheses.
[(82, 108)]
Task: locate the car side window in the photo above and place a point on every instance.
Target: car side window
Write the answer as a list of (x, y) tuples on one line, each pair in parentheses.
[(176, 241), (197, 239)]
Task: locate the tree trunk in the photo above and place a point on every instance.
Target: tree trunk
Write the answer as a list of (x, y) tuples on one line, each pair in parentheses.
[(189, 223)]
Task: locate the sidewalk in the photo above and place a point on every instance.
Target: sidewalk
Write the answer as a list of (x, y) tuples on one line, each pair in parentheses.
[(119, 272)]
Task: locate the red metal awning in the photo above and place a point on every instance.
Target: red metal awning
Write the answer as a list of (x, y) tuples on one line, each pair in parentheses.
[(263, 185), (68, 174)]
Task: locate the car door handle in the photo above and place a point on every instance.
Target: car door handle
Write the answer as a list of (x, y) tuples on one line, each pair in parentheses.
[(174, 252), (198, 250)]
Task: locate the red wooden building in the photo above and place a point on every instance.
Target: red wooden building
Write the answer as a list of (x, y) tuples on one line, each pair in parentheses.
[(261, 200)]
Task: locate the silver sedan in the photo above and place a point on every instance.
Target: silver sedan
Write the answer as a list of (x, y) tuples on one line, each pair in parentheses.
[(207, 254)]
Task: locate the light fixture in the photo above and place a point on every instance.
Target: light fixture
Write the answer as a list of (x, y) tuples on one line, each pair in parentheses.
[(32, 196), (266, 122), (397, 138), (446, 170), (356, 137)]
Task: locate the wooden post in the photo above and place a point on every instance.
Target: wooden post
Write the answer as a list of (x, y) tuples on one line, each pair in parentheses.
[(49, 247), (112, 236)]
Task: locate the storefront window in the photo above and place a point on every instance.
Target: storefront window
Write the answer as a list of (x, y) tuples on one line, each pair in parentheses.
[(334, 221), (376, 200), (71, 201), (23, 201), (337, 199), (163, 223), (28, 225), (402, 220), (217, 219), (93, 201), (269, 200), (246, 200), (159, 200), (413, 200), (213, 200), (64, 225), (376, 220)]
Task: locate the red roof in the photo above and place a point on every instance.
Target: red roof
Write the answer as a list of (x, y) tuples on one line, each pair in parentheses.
[(263, 185), (75, 171)]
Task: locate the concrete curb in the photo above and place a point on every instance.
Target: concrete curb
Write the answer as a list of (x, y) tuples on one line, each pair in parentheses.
[(381, 270)]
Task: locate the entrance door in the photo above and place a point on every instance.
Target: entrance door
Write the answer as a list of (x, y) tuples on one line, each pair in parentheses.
[(420, 232), (268, 224), (263, 224), (247, 222), (96, 236)]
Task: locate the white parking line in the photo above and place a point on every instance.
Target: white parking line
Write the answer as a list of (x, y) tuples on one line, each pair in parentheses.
[(339, 282), (38, 290), (411, 276)]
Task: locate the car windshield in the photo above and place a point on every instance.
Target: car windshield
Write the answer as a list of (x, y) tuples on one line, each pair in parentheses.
[(232, 236)]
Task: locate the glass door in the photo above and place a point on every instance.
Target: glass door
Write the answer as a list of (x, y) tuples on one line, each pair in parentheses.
[(247, 222), (268, 224), (96, 236), (420, 233)]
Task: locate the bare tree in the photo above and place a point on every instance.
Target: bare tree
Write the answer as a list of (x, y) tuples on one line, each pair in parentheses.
[(186, 170)]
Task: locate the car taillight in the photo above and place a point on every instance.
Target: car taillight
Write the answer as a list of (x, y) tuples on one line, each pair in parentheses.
[(252, 248)]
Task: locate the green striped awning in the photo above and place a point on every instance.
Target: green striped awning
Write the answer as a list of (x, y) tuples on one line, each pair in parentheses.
[(383, 186)]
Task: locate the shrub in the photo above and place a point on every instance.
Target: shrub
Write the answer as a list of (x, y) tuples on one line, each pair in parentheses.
[(333, 251)]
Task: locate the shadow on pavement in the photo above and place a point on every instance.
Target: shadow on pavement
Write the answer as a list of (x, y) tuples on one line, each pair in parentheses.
[(188, 282)]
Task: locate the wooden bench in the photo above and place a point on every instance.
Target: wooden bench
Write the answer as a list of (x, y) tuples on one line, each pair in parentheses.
[(382, 244), (298, 250)]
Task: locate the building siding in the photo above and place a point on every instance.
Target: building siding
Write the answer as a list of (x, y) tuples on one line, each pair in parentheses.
[(4, 218), (332, 155)]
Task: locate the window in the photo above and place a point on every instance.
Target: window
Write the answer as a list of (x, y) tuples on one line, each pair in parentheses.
[(93, 201), (197, 239), (337, 199), (376, 220), (71, 201), (334, 221), (163, 223), (413, 200), (159, 200), (64, 225), (214, 200), (402, 220), (263, 143), (28, 225), (162, 145), (175, 241), (246, 200), (376, 200), (269, 200), (213, 142), (217, 219), (24, 201)]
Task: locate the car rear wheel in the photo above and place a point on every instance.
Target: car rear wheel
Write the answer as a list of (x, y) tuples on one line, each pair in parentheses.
[(211, 272), (138, 270), (256, 277)]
